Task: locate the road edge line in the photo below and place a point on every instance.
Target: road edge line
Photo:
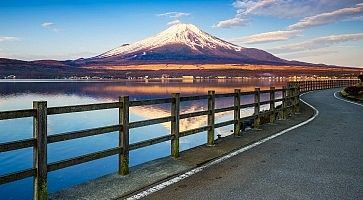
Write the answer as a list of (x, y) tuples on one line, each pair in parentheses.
[(185, 175), (335, 95)]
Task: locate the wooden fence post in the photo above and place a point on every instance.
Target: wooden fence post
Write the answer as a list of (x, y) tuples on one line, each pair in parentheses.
[(283, 117), (211, 107), (272, 105), (290, 101), (293, 98), (237, 112), (310, 84), (256, 124), (313, 85), (175, 113), (302, 86), (320, 85), (40, 150), (297, 99), (123, 168)]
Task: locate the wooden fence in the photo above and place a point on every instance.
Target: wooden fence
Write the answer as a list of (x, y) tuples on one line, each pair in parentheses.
[(306, 86), (40, 140)]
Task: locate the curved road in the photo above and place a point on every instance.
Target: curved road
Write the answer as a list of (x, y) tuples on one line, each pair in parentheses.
[(321, 160)]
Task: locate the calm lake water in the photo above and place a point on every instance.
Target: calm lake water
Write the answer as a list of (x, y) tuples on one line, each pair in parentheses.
[(21, 94)]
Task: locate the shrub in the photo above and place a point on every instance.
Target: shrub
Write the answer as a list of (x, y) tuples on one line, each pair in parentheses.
[(360, 77), (353, 90)]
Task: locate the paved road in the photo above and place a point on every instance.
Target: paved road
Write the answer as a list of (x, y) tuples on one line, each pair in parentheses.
[(322, 160)]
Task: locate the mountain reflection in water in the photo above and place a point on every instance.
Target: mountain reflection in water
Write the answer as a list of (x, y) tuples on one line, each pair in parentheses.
[(19, 95)]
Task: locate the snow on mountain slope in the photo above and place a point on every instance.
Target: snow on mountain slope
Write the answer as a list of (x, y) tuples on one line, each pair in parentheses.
[(182, 43), (185, 34)]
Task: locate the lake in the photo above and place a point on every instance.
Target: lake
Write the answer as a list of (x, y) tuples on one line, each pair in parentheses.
[(20, 95)]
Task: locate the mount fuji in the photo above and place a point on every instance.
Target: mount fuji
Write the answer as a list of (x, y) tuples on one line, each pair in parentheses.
[(183, 43)]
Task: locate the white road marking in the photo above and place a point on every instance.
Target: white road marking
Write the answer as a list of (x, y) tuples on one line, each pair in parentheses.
[(335, 95), (219, 160)]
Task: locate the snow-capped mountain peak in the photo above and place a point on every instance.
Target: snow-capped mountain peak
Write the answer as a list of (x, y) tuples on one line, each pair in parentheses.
[(178, 34), (182, 43)]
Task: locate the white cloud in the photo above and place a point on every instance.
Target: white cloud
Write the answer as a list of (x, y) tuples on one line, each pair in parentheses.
[(328, 17), (177, 21), (47, 24), (284, 8), (317, 43), (290, 8), (50, 26), (231, 22), (355, 18), (267, 37), (243, 9), (8, 38), (249, 6), (173, 14), (348, 13)]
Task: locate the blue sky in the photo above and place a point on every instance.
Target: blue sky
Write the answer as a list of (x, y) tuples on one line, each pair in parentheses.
[(318, 31)]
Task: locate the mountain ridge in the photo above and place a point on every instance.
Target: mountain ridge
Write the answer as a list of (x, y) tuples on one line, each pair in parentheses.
[(183, 42)]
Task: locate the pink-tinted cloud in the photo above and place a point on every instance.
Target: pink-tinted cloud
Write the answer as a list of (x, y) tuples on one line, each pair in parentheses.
[(318, 43), (267, 37), (327, 17), (231, 22)]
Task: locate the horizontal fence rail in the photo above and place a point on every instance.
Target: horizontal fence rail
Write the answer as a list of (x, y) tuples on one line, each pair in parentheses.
[(305, 86), (40, 112)]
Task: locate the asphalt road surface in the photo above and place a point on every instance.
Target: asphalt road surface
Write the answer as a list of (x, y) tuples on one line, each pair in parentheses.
[(321, 160)]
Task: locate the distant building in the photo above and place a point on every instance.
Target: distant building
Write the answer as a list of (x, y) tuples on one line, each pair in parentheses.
[(188, 77), (96, 77)]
